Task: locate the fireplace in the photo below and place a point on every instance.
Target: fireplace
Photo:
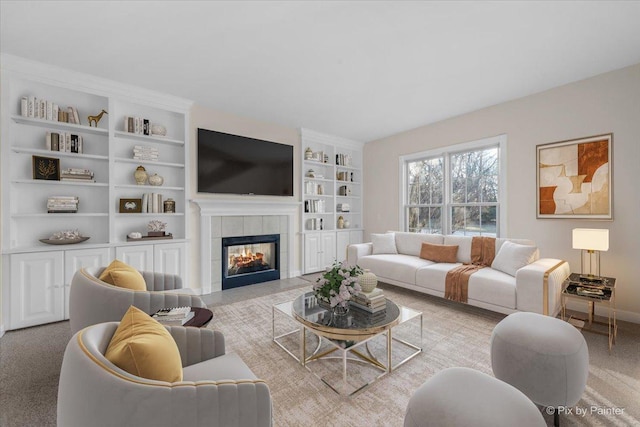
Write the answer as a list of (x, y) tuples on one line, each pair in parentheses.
[(247, 260)]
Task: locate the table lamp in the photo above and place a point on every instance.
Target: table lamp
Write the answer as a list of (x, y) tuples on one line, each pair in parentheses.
[(591, 241)]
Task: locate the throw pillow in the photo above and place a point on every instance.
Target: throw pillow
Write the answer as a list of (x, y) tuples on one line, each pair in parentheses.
[(120, 274), (439, 253), (144, 348), (511, 257), (384, 243)]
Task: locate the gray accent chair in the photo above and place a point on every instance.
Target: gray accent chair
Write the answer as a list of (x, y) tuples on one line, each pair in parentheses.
[(462, 397), (218, 389), (93, 301)]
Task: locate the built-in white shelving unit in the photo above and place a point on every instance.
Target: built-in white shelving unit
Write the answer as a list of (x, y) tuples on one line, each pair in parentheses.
[(36, 276), (331, 198)]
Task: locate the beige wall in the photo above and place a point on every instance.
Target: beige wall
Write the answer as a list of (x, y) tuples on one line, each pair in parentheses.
[(602, 104), (225, 122)]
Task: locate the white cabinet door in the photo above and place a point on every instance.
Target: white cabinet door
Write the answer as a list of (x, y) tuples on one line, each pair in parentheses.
[(77, 259), (312, 252), (342, 241), (139, 257), (328, 249), (170, 259), (37, 288)]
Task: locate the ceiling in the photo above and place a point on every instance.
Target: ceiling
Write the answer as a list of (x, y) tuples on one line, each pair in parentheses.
[(358, 69)]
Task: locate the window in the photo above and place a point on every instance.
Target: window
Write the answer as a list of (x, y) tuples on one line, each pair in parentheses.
[(455, 190)]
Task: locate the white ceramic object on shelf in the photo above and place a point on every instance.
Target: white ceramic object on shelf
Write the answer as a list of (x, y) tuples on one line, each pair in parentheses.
[(368, 281), (158, 130), (156, 180)]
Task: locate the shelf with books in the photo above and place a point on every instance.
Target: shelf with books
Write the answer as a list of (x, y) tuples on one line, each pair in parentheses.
[(71, 127), (59, 215), (44, 152), (148, 138), (321, 180)]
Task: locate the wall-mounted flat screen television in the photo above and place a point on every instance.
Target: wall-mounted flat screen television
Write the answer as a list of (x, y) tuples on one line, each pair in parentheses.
[(233, 164)]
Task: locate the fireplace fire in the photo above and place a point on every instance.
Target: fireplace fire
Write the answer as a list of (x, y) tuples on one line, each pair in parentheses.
[(250, 259), (245, 259)]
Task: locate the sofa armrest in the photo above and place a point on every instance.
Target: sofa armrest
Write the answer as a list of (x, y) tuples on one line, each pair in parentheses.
[(196, 344), (161, 281), (357, 251), (539, 284)]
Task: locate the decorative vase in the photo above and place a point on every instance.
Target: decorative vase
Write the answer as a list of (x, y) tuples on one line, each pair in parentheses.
[(339, 310), (346, 223), (158, 130), (308, 153), (140, 175), (340, 222), (169, 206), (156, 180), (368, 281)]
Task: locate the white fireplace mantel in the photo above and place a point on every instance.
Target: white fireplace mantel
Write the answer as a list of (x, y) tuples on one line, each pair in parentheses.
[(233, 207), (237, 207)]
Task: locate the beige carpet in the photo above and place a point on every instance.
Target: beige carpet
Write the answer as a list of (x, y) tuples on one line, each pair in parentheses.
[(454, 335)]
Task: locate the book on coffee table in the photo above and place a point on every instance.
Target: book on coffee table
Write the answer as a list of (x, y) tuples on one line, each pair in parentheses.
[(178, 320)]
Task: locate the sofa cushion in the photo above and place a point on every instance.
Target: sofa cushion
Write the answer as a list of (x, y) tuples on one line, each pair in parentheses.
[(226, 367), (493, 287), (439, 253), (124, 276), (401, 268), (511, 257), (143, 347), (384, 243), (433, 276), (464, 246), (411, 243)]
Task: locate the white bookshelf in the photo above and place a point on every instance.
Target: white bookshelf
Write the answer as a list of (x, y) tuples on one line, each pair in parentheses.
[(108, 152), (329, 186)]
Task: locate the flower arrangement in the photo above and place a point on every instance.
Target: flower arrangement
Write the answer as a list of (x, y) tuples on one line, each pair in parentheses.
[(337, 285)]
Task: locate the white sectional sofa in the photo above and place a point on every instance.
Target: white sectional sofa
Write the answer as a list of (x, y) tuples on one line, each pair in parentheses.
[(514, 282)]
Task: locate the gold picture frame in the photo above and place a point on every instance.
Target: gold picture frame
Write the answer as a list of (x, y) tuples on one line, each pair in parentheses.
[(574, 178), (46, 168)]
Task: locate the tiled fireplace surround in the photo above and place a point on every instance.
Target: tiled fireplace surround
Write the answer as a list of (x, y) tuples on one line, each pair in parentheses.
[(231, 218)]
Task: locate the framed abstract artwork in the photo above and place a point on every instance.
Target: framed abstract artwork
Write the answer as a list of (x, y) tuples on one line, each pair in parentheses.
[(574, 179)]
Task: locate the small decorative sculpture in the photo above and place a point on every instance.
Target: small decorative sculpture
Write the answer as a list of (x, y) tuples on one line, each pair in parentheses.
[(156, 225), (156, 180), (140, 175), (96, 119), (156, 228)]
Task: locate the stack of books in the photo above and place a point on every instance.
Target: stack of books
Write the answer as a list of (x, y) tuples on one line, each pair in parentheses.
[(372, 302), (31, 106), (64, 141), (62, 204), (138, 125), (142, 152), (76, 174), (176, 316), (152, 203)]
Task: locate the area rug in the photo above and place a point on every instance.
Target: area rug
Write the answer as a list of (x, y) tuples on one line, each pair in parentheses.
[(453, 335)]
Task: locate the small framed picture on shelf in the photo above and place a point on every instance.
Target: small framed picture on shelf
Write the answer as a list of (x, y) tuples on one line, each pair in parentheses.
[(130, 205), (47, 168)]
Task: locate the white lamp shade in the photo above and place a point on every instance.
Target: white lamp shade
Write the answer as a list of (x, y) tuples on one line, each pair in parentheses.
[(591, 239)]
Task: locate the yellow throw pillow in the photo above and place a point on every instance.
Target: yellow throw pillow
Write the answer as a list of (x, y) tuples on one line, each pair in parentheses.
[(124, 276), (143, 347), (439, 253)]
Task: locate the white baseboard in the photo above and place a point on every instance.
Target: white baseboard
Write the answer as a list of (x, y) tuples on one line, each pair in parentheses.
[(296, 273), (1, 330)]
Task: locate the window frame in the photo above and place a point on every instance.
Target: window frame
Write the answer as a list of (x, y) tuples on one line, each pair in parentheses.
[(499, 141)]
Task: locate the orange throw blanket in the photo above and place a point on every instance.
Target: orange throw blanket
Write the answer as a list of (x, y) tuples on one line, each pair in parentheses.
[(456, 286)]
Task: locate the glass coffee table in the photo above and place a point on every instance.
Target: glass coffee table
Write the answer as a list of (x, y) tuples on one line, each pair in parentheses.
[(347, 352)]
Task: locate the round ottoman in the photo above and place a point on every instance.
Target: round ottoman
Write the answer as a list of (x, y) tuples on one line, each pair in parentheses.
[(462, 397), (544, 357)]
